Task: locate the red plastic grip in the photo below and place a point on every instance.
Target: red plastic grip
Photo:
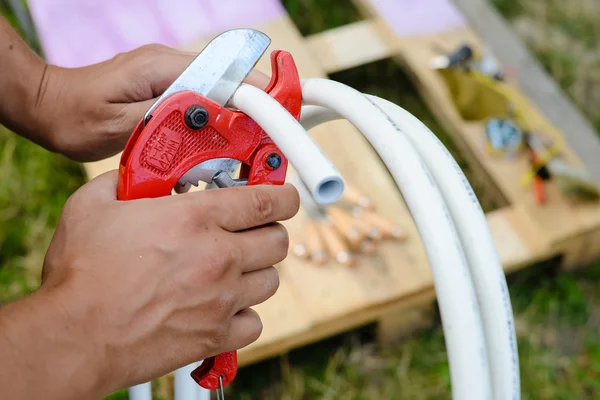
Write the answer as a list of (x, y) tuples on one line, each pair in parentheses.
[(222, 366), (160, 152)]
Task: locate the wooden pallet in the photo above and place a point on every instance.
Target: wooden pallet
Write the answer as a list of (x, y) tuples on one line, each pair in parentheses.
[(316, 302)]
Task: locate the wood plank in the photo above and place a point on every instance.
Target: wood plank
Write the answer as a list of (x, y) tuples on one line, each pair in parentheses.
[(333, 327), (349, 46), (559, 219), (518, 247)]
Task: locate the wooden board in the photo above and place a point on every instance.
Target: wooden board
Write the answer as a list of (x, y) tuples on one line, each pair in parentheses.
[(560, 221), (534, 82), (315, 302)]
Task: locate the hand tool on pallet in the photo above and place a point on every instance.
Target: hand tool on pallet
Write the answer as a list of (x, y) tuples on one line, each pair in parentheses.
[(190, 135), (574, 183)]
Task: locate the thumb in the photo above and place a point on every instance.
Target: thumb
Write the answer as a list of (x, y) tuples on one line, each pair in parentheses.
[(102, 188)]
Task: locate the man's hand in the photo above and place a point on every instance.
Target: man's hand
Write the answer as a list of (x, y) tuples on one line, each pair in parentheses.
[(84, 113), (90, 112), (142, 287)]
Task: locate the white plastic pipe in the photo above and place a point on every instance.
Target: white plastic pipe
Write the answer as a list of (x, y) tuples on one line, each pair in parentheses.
[(186, 388), (322, 178), (486, 269), (386, 131), (143, 391), (463, 330)]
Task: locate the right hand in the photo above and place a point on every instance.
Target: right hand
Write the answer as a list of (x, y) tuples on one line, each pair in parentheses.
[(156, 284)]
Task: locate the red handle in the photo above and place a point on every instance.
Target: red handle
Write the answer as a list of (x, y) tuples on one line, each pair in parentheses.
[(217, 370), (161, 151)]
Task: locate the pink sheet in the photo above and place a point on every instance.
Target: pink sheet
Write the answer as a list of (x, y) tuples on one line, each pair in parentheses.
[(82, 32), (419, 17), (74, 33)]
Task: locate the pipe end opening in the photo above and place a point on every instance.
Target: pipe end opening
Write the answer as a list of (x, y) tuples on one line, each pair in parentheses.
[(329, 190)]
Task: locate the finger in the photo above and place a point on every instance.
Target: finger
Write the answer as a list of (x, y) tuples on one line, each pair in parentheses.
[(245, 329), (240, 208), (261, 247), (258, 286)]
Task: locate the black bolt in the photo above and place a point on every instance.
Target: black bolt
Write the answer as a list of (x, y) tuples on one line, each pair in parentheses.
[(273, 160), (196, 117)]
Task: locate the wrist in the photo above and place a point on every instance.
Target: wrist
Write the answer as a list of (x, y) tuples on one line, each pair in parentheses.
[(45, 344), (22, 71)]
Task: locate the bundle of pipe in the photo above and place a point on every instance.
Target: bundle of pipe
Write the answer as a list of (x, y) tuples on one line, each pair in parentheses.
[(469, 281)]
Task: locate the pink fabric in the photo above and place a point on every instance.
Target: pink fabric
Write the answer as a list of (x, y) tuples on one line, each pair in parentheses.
[(81, 32), (419, 17)]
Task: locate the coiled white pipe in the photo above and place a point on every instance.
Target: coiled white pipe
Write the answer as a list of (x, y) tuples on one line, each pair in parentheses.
[(464, 334), (463, 330), (486, 269)]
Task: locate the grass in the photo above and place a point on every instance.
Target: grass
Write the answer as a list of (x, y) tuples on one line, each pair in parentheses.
[(557, 314)]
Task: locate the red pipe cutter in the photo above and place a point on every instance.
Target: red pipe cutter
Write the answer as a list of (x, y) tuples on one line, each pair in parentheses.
[(190, 134)]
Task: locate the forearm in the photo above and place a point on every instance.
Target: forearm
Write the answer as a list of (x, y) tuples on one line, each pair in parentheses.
[(21, 85), (44, 353)]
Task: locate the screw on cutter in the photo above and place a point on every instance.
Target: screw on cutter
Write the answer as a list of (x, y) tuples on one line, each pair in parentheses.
[(273, 160)]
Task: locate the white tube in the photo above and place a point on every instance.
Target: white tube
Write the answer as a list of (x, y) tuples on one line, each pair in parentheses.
[(463, 331), (322, 178), (143, 391), (186, 388), (486, 269)]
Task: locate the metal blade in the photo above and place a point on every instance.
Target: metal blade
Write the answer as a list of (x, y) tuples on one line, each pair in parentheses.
[(216, 73), (221, 66), (206, 170)]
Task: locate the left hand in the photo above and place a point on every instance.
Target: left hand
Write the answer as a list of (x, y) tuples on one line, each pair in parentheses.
[(88, 113)]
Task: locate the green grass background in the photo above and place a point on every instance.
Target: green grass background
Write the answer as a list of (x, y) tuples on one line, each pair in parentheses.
[(557, 313)]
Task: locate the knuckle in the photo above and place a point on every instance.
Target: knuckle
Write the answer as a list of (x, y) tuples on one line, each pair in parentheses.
[(198, 219), (152, 48), (219, 337), (226, 302), (190, 208), (222, 260), (262, 205)]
